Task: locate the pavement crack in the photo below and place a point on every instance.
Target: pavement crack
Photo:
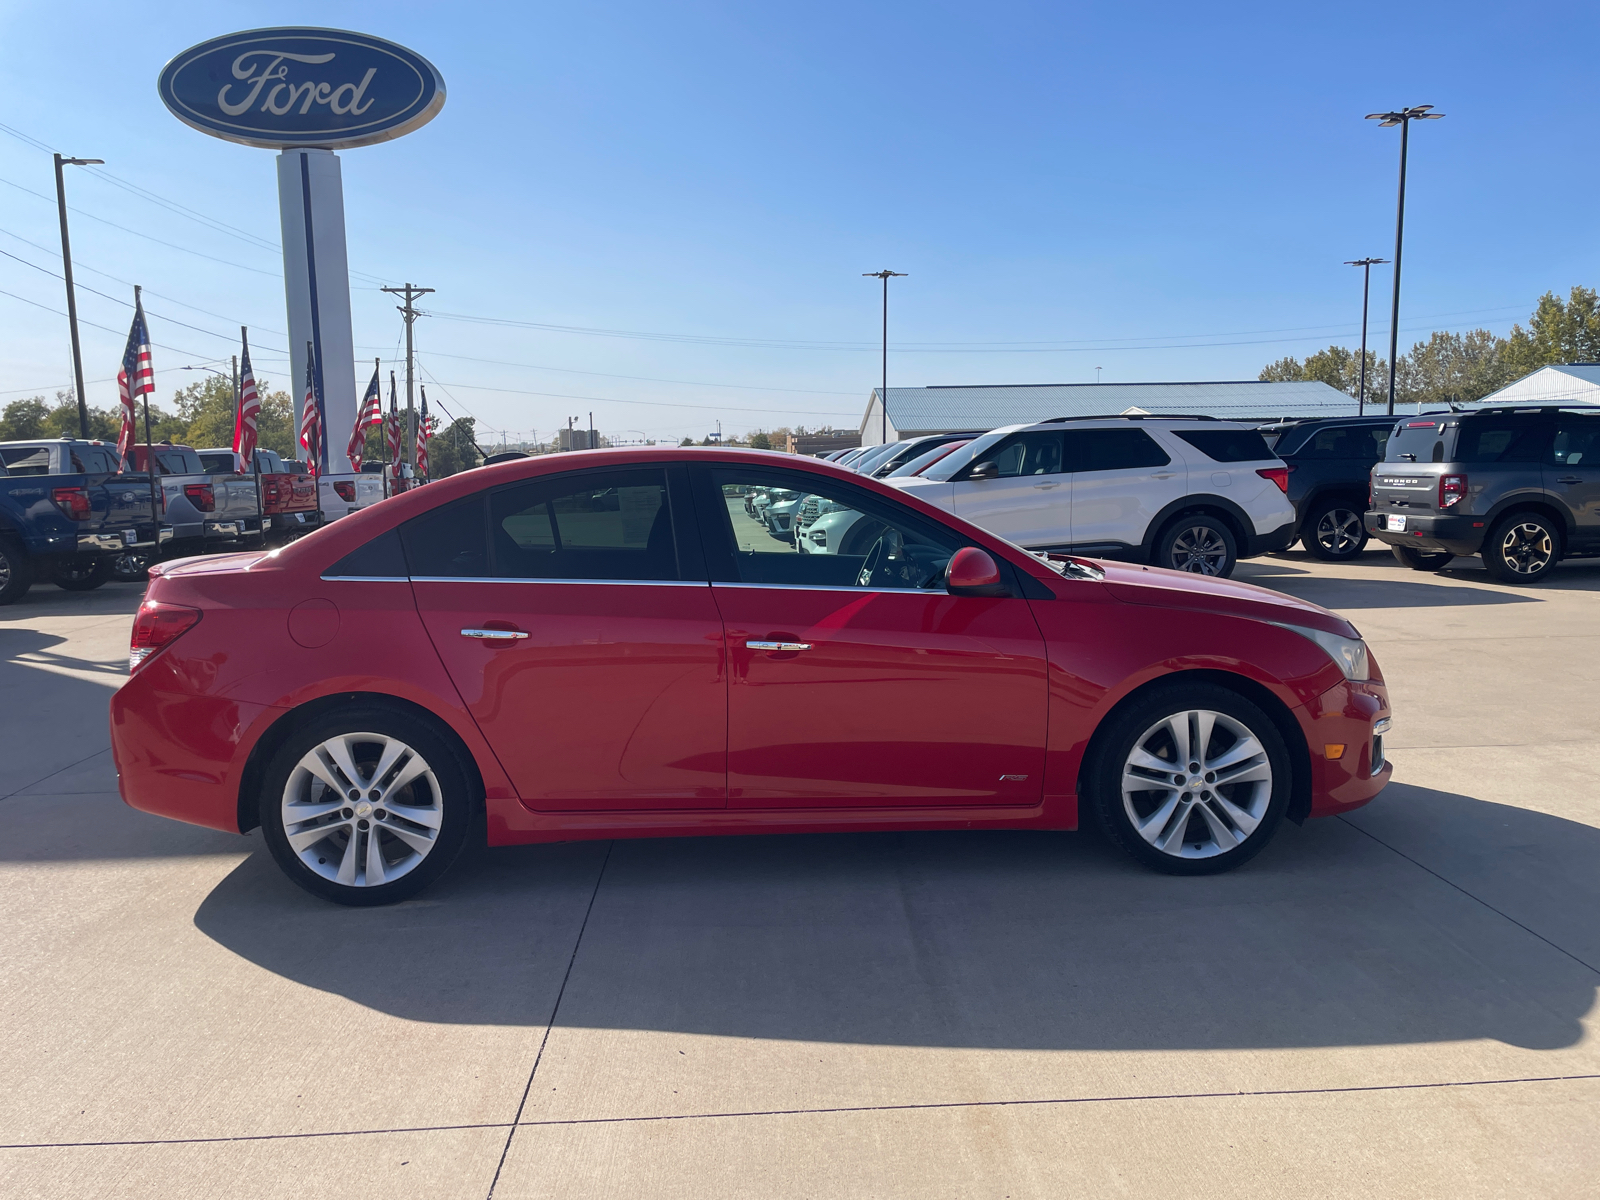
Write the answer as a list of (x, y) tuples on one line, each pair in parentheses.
[(561, 992), (53, 774)]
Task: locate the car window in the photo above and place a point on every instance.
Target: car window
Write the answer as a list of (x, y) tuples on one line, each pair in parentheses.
[(600, 525), (27, 460), (217, 463), (1499, 440), (1577, 442), (837, 536), (1359, 442), (1227, 445), (1037, 453), (1112, 450), (448, 543)]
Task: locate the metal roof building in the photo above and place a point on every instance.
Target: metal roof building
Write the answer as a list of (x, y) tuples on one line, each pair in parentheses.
[(1570, 383), (918, 410)]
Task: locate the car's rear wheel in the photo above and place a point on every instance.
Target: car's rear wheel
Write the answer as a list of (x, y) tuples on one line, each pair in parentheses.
[(83, 573), (1200, 544), (131, 566), (1522, 548), (1421, 560), (1191, 780), (365, 806), (1334, 532), (16, 572)]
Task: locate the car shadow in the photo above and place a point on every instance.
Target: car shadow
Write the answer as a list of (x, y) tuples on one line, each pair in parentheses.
[(1355, 592), (974, 939)]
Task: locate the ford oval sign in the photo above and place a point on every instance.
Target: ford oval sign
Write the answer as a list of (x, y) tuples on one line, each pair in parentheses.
[(324, 88)]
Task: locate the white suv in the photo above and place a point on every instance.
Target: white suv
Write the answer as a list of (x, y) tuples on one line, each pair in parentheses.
[(1191, 493)]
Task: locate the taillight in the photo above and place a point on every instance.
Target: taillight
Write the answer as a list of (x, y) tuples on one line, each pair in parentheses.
[(72, 501), (346, 489), (1451, 489), (156, 625), (1278, 475), (201, 495)]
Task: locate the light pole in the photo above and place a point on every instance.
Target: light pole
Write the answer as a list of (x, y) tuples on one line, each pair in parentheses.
[(72, 298), (1366, 265), (883, 394), (1402, 118)]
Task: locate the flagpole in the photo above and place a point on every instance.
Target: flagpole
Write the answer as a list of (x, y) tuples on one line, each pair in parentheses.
[(149, 445), (255, 458)]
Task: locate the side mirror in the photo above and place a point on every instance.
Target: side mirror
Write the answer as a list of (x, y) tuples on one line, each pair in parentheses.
[(984, 470), (973, 573)]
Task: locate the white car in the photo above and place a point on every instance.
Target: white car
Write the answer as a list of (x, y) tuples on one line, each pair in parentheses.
[(1190, 493)]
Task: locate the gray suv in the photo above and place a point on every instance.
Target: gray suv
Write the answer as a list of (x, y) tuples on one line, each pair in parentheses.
[(1520, 486)]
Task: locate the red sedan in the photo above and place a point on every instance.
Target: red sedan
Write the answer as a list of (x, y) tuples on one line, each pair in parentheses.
[(606, 644)]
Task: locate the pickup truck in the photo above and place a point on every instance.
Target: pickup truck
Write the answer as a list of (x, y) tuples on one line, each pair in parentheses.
[(288, 494), (206, 511), (348, 492), (67, 514)]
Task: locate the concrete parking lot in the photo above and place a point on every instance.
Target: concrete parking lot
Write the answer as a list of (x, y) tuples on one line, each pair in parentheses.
[(1398, 1003)]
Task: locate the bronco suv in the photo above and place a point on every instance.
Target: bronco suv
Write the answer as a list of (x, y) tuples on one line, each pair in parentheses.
[(1520, 486)]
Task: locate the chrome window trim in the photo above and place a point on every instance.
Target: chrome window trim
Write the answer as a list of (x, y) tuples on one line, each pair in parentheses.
[(364, 579), (832, 587), (592, 582)]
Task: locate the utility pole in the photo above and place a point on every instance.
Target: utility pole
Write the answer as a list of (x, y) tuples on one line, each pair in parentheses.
[(72, 296), (883, 394), (1366, 265), (1402, 118), (408, 311), (593, 444)]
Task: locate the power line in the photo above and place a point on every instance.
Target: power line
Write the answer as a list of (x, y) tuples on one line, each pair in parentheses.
[(500, 362), (192, 355)]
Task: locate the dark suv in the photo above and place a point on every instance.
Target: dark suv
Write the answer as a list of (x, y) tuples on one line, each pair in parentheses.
[(1520, 486), (1329, 460)]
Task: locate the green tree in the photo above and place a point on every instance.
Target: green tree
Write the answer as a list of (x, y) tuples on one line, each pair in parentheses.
[(24, 419), (760, 441), (1336, 366), (1557, 333), (687, 442), (451, 450)]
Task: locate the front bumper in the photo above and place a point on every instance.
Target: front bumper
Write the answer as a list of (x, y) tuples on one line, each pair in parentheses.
[(1429, 531), (1345, 730)]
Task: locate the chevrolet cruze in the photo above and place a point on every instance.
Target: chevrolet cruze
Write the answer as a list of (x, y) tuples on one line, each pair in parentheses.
[(608, 644)]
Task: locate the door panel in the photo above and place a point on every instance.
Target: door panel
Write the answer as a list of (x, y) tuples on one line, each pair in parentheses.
[(1121, 479), (1573, 473), (1030, 503), (902, 698)]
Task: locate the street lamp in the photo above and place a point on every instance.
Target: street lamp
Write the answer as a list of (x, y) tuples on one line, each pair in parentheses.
[(1402, 118), (883, 395), (1366, 265), (72, 298)]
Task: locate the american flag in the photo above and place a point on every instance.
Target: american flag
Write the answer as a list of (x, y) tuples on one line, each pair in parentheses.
[(370, 413), (137, 377), (244, 421), (396, 440), (424, 431), (310, 427)]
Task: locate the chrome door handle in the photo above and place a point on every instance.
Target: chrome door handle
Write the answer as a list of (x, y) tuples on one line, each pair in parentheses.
[(1044, 487), (773, 645), (1570, 479), (1164, 475), (494, 635)]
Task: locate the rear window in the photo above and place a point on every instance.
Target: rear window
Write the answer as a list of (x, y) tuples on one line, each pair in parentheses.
[(1227, 445), (1416, 441), (26, 460), (1361, 442), (217, 464), (178, 460)]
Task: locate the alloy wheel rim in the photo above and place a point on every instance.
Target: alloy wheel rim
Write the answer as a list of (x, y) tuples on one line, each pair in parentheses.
[(1527, 548), (1196, 784), (5, 572), (1339, 531), (1199, 550), (362, 809)]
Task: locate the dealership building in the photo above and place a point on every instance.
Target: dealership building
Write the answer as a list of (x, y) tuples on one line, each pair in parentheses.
[(914, 411)]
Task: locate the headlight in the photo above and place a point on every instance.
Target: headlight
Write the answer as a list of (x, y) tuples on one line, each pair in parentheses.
[(1349, 653)]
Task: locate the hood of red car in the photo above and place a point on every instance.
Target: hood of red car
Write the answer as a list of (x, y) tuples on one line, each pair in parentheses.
[(1161, 588)]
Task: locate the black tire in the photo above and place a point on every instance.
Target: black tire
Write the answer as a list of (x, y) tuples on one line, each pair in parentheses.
[(83, 574), (1522, 548), (1421, 560), (1262, 800), (447, 809), (131, 566), (1334, 532), (1199, 544), (16, 572)]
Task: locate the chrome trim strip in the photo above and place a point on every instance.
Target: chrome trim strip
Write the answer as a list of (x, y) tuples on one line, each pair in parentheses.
[(591, 582), (833, 587), (364, 579)]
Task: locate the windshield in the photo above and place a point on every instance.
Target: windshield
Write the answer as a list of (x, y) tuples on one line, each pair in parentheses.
[(926, 459), (951, 463)]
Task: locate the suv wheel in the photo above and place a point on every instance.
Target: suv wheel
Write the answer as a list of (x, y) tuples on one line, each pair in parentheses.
[(365, 806), (83, 573), (131, 566), (1200, 544), (1334, 532), (1421, 560), (1191, 780), (1522, 548), (16, 572)]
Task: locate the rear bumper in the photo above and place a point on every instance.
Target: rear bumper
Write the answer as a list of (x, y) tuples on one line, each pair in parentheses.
[(141, 538), (1458, 534), (292, 522), (1344, 733), (1270, 542)]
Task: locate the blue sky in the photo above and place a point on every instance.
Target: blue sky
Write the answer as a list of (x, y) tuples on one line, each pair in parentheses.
[(1162, 191)]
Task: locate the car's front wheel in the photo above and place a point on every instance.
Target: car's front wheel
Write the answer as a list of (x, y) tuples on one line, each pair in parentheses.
[(1334, 532), (16, 572), (1199, 544), (1192, 779), (365, 806), (1522, 548)]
